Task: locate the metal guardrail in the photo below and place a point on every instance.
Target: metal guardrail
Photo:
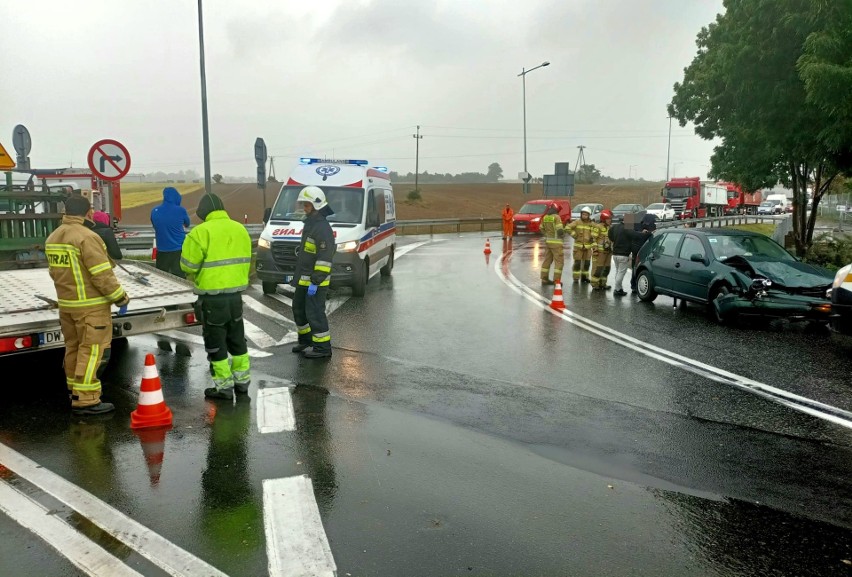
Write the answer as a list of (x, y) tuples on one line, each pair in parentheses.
[(142, 236)]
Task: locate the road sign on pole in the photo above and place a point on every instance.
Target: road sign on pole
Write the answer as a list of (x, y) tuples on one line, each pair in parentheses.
[(6, 162), (23, 144), (109, 160), (260, 157)]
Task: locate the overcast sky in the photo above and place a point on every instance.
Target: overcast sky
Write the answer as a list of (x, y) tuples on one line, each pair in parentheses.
[(352, 79)]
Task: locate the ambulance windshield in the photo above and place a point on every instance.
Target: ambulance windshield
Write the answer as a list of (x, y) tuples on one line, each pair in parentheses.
[(347, 204)]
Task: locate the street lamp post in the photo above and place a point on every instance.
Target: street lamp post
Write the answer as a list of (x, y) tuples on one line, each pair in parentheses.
[(669, 149), (208, 186), (523, 76)]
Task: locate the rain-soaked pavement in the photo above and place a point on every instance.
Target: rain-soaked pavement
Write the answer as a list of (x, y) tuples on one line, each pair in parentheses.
[(459, 429)]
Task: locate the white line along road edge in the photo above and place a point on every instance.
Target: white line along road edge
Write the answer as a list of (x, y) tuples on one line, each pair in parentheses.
[(805, 405), (85, 554), (163, 553), (296, 544)]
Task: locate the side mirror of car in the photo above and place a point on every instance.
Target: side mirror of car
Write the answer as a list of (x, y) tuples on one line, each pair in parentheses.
[(698, 258), (267, 213)]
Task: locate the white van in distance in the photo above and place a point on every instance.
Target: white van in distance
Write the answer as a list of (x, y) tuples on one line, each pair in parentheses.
[(364, 223)]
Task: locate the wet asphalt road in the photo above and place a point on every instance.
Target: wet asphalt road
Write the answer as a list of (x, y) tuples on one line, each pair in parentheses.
[(461, 430)]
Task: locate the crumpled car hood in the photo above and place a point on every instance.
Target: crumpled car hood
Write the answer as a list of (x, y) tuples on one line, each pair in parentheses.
[(793, 275)]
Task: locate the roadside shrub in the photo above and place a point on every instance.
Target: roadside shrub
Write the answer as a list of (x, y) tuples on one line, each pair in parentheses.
[(414, 194), (830, 252)]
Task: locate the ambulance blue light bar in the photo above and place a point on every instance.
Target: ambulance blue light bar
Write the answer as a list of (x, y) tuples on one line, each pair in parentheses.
[(305, 160)]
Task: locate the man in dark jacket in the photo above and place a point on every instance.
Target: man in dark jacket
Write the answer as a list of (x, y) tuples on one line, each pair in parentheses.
[(101, 226), (313, 275), (623, 240), (649, 224), (170, 220)]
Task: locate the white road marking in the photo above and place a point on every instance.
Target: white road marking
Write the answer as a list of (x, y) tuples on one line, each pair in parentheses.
[(805, 405), (296, 544), (257, 335), (199, 340), (290, 337), (282, 299), (402, 251), (335, 303), (85, 554), (165, 554), (265, 311), (275, 410)]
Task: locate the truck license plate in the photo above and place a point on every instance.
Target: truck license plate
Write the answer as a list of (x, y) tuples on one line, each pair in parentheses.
[(51, 338)]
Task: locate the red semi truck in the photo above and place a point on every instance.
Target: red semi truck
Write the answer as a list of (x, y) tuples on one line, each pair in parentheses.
[(692, 198), (740, 202)]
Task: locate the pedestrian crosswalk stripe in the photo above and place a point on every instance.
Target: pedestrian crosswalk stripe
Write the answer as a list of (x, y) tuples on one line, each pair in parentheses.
[(264, 310), (258, 336), (199, 340)]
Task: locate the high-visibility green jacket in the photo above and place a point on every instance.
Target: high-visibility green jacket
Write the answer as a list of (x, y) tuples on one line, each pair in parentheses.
[(552, 229), (216, 255), (316, 251), (585, 233), (80, 267)]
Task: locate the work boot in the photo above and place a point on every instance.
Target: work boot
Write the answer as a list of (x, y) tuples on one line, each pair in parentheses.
[(300, 348), (619, 293), (547, 281), (312, 353), (99, 409), (226, 393), (585, 280), (241, 388)]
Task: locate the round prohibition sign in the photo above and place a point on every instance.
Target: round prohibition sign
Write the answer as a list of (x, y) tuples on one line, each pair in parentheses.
[(109, 159)]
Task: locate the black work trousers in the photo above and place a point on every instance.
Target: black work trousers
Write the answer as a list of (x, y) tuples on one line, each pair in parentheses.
[(310, 317), (169, 261), (221, 319)]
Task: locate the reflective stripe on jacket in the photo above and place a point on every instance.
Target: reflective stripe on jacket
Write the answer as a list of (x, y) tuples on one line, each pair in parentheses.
[(316, 251), (584, 233), (604, 243), (79, 266), (552, 229), (216, 254)]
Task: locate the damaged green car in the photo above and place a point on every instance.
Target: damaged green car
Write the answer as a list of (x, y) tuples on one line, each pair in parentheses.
[(734, 273)]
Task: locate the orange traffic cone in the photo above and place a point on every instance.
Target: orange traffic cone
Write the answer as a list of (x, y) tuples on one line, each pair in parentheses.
[(152, 410), (487, 246), (153, 447), (154, 250), (557, 303)]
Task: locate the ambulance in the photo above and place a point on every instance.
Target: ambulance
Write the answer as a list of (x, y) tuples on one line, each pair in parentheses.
[(363, 223)]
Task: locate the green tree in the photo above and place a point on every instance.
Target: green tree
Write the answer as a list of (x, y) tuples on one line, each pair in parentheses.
[(217, 178), (765, 81), (587, 174), (495, 173)]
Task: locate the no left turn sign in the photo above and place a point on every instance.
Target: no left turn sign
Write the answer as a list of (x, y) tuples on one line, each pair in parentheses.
[(109, 159)]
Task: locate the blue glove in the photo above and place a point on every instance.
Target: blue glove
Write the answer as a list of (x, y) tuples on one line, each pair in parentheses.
[(122, 310), (312, 289)]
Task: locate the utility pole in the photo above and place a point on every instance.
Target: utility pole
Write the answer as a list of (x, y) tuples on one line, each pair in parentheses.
[(272, 167), (669, 149), (208, 185), (417, 138)]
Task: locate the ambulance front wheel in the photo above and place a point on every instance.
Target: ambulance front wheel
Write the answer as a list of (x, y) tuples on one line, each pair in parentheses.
[(270, 287), (359, 278)]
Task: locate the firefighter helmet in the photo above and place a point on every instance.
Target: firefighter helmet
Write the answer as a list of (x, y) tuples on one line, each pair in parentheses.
[(586, 209), (606, 214), (313, 195)]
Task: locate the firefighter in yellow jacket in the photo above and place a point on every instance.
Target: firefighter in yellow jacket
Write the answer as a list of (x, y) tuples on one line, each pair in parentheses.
[(553, 231), (585, 233), (603, 253), (85, 289)]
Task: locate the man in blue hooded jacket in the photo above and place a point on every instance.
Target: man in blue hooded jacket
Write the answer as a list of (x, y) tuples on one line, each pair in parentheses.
[(170, 221)]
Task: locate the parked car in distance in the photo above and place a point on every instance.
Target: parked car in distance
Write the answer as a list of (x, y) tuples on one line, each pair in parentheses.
[(734, 273), (620, 210), (841, 300), (528, 218), (662, 210), (769, 207), (595, 208)]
